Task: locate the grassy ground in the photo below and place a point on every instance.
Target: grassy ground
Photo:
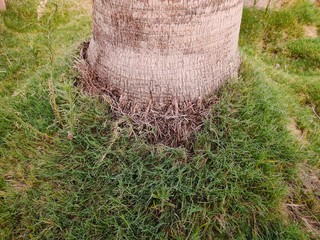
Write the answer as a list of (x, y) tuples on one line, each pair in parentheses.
[(69, 171)]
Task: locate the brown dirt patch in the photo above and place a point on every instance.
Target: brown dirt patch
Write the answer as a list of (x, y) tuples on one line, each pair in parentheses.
[(274, 4), (316, 2), (297, 132), (311, 179), (17, 182), (304, 206), (310, 31)]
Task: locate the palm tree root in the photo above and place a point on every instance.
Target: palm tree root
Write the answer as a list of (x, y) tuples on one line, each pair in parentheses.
[(174, 123)]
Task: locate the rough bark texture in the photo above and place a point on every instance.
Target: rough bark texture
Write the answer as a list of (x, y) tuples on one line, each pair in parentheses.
[(165, 49), (265, 3)]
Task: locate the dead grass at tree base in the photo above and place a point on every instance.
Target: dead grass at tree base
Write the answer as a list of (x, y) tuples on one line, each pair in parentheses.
[(304, 208), (174, 123)]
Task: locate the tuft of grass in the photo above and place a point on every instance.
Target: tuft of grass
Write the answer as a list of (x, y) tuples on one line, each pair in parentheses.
[(68, 170), (306, 50)]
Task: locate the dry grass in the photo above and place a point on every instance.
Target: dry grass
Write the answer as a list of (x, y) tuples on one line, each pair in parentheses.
[(306, 210), (297, 132), (174, 123)]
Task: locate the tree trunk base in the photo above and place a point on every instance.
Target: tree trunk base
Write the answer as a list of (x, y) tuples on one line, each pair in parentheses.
[(174, 123), (165, 49)]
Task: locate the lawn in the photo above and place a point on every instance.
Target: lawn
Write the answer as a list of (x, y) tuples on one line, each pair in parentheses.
[(70, 170)]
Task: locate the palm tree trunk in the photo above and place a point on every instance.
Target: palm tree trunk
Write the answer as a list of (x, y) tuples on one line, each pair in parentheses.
[(265, 3), (165, 49)]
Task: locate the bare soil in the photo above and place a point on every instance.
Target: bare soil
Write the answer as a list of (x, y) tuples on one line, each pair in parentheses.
[(310, 31), (303, 211), (297, 132)]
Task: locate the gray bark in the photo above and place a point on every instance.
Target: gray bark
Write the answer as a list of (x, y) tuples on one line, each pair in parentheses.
[(263, 3), (183, 49)]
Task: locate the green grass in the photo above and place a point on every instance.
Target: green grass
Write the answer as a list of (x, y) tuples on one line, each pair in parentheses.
[(70, 171)]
